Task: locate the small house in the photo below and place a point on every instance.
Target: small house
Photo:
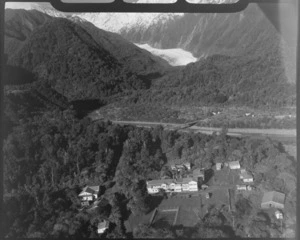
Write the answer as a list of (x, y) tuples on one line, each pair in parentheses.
[(218, 166), (279, 214), (89, 193), (187, 165), (102, 226), (234, 165), (273, 199), (173, 167), (153, 186), (198, 173), (241, 187), (245, 176)]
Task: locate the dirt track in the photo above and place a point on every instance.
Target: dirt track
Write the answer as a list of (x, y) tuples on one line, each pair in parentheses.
[(290, 133)]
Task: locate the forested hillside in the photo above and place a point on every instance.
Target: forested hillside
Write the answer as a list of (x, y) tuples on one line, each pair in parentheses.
[(71, 61), (133, 58), (250, 80), (19, 25), (76, 62)]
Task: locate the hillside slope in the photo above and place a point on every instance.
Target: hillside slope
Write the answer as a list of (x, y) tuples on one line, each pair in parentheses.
[(79, 60)]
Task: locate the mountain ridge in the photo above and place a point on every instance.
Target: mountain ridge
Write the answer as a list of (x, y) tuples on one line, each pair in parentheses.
[(59, 48), (255, 74)]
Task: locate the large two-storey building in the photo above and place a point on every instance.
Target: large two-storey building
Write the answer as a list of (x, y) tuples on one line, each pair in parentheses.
[(172, 185)]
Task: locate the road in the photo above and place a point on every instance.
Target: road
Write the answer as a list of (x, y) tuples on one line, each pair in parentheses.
[(289, 133)]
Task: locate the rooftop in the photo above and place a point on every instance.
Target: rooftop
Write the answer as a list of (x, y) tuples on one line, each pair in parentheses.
[(234, 163), (169, 181), (90, 189), (273, 196), (103, 224), (198, 172), (246, 175), (160, 181)]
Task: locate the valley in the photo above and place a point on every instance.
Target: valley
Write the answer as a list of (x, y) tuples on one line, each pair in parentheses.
[(125, 125)]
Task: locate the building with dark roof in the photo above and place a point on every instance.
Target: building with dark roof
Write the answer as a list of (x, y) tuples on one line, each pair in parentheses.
[(273, 199), (198, 173)]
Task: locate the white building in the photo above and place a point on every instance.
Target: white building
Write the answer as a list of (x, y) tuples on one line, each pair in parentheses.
[(185, 165), (172, 185), (246, 176), (102, 226), (89, 193), (234, 165), (218, 166), (241, 187), (279, 214)]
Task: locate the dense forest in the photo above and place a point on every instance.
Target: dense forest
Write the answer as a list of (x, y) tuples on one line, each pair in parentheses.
[(221, 79)]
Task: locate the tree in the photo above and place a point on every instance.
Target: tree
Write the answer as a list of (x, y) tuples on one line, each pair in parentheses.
[(146, 231)]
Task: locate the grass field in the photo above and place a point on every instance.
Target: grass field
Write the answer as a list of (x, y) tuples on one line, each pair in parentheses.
[(226, 176), (164, 219)]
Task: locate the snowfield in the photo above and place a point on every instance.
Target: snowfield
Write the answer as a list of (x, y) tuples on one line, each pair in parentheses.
[(174, 56)]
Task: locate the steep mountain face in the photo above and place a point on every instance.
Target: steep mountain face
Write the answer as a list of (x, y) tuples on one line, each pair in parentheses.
[(132, 58), (79, 60), (115, 22), (19, 25), (234, 34), (208, 34)]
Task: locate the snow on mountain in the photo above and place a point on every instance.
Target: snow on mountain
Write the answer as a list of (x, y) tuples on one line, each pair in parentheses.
[(212, 1), (156, 1), (115, 22), (42, 7), (174, 56)]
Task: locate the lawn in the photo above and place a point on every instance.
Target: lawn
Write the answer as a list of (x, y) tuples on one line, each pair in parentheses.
[(134, 221), (226, 176), (188, 209), (164, 219)]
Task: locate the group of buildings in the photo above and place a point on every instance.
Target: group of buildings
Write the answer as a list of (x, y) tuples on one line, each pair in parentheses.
[(188, 184), (89, 195), (192, 183)]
